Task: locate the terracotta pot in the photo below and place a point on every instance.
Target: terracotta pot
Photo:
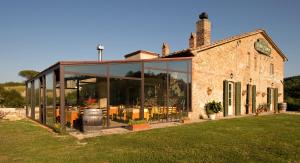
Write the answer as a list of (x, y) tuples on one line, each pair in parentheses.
[(139, 127), (212, 116)]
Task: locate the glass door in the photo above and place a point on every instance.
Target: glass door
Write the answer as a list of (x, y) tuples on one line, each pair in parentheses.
[(230, 98)]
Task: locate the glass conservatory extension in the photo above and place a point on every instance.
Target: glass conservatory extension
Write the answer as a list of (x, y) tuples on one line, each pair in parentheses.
[(155, 90)]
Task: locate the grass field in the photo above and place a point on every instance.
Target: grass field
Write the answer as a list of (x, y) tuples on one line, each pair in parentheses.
[(273, 138)]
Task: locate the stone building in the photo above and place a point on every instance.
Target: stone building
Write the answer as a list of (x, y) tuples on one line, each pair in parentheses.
[(242, 72)]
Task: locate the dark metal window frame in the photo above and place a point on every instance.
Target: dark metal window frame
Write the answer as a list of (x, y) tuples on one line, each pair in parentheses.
[(60, 67)]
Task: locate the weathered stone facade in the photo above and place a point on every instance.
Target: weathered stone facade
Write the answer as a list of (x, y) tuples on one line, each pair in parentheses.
[(203, 32), (236, 61), (255, 75)]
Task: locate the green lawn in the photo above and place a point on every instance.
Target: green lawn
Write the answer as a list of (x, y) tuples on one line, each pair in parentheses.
[(274, 138)]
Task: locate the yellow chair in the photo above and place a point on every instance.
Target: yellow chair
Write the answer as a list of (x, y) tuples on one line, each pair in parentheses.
[(146, 114), (135, 114)]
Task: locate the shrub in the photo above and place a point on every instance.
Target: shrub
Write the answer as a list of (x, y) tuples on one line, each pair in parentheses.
[(11, 98), (292, 93), (213, 107), (293, 104), (261, 108)]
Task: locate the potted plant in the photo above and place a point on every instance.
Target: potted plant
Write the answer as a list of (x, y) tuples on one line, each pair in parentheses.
[(137, 125), (58, 129), (212, 108), (261, 108)]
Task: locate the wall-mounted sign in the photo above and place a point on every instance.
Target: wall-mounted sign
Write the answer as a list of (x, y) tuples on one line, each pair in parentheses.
[(262, 46)]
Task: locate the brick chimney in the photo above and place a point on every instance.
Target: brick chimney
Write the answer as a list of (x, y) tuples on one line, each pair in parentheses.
[(192, 40), (165, 49), (203, 30)]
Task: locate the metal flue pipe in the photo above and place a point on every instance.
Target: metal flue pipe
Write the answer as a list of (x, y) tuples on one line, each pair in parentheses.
[(100, 49)]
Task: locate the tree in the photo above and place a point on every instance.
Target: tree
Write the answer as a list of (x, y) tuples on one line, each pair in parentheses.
[(11, 98), (28, 74), (292, 93), (1, 98)]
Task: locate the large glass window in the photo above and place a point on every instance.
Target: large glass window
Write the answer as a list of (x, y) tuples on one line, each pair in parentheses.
[(155, 65), (57, 96), (167, 90), (37, 99), (49, 100), (178, 66), (125, 101), (32, 97), (155, 88), (97, 70), (178, 92), (29, 102), (84, 92), (125, 70)]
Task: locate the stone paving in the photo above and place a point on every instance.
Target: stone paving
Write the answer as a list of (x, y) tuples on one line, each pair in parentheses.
[(111, 131), (82, 135)]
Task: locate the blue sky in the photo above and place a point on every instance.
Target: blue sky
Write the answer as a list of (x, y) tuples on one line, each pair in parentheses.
[(35, 34)]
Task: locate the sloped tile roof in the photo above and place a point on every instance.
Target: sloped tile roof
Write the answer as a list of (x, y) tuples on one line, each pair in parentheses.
[(227, 40)]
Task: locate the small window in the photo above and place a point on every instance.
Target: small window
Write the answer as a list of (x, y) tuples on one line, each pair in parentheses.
[(271, 69), (255, 63), (248, 60)]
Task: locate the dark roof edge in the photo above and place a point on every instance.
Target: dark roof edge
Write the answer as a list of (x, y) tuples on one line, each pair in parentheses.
[(47, 69), (140, 51), (102, 62)]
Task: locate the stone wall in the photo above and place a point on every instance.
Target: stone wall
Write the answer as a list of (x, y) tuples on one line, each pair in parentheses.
[(13, 113), (212, 66)]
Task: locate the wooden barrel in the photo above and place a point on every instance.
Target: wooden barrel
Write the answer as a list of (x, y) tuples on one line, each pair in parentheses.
[(92, 119), (282, 106)]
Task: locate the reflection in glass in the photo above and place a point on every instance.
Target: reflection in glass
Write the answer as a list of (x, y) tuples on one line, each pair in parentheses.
[(37, 99), (125, 70), (177, 92), (125, 101), (57, 96), (155, 83), (42, 99), (49, 100), (29, 99), (178, 65), (167, 90), (84, 92), (156, 65), (32, 106), (97, 70)]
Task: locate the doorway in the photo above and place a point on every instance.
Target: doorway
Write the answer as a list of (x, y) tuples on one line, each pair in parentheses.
[(251, 99), (271, 99), (230, 98)]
